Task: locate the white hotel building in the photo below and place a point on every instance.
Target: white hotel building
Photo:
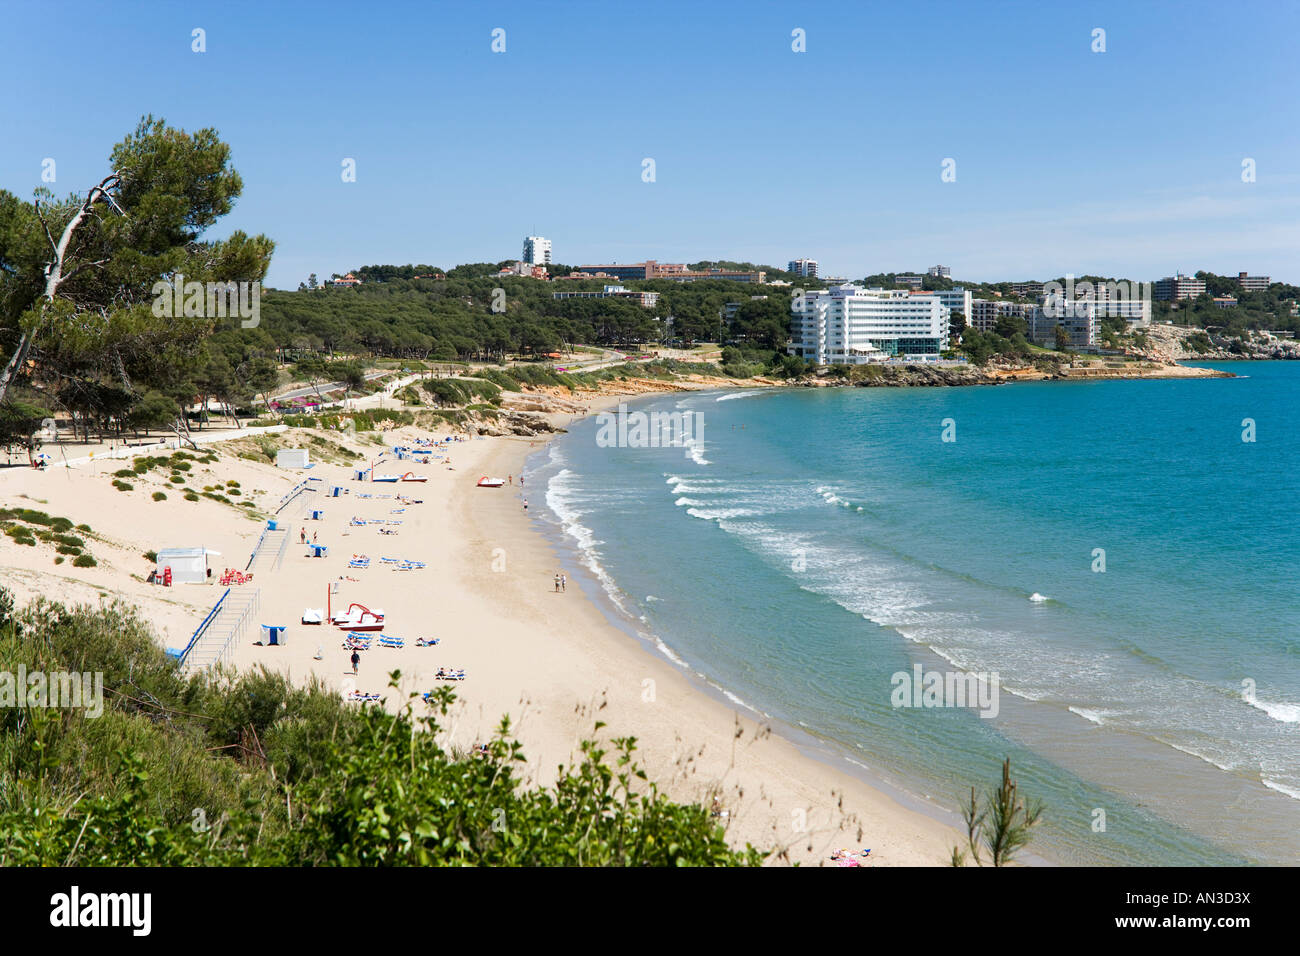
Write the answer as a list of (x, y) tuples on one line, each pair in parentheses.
[(850, 325)]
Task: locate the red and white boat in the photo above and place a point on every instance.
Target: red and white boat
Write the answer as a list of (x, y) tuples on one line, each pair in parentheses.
[(486, 482), (358, 617)]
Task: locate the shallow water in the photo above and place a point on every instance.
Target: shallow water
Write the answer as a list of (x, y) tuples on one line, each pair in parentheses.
[(818, 542)]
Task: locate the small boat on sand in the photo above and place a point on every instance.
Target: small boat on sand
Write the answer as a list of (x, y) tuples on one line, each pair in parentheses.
[(486, 482), (358, 617)]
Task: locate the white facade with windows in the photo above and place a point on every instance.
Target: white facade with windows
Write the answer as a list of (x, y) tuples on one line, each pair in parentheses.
[(957, 300), (537, 251), (850, 325)]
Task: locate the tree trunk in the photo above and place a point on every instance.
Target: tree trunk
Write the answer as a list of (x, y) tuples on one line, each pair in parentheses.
[(53, 279)]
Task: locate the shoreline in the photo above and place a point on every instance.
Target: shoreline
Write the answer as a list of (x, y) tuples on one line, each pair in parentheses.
[(768, 782), (555, 663)]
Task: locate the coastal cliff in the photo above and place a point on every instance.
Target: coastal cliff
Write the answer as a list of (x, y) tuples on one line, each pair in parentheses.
[(1175, 343)]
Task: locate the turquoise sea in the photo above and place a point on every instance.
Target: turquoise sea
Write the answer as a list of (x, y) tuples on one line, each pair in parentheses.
[(817, 542)]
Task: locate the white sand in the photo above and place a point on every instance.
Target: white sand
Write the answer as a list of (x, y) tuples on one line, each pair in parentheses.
[(551, 661)]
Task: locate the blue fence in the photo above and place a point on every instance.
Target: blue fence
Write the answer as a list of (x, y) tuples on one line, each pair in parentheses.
[(294, 493), (202, 627)]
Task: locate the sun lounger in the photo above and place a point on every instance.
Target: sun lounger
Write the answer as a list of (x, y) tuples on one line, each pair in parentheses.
[(358, 522), (356, 695), (386, 641), (427, 641), (359, 561)]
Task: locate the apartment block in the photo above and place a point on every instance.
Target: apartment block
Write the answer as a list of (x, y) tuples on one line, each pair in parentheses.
[(537, 251), (1177, 287), (1080, 317)]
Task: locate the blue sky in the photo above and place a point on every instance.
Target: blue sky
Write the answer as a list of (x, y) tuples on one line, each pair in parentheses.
[(1124, 163)]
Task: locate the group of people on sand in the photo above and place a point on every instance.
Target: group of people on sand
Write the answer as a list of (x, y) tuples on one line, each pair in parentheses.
[(561, 582), (846, 857)]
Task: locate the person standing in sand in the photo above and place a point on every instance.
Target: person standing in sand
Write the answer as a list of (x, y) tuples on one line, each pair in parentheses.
[(557, 584), (356, 661), (564, 582)]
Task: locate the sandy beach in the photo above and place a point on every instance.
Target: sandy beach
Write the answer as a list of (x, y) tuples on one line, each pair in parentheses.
[(552, 661)]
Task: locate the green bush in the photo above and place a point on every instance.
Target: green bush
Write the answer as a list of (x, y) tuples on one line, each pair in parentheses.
[(191, 496), (159, 496), (123, 485), (332, 784), (84, 561), (21, 535)]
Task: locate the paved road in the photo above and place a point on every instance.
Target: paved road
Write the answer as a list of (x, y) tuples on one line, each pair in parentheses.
[(310, 391)]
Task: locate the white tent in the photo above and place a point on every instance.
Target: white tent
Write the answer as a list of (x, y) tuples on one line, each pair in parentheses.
[(189, 565), (292, 458)]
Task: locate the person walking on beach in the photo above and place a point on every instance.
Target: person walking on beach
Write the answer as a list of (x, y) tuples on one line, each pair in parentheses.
[(557, 584), (525, 504), (511, 479), (564, 582), (356, 661), (313, 537)]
